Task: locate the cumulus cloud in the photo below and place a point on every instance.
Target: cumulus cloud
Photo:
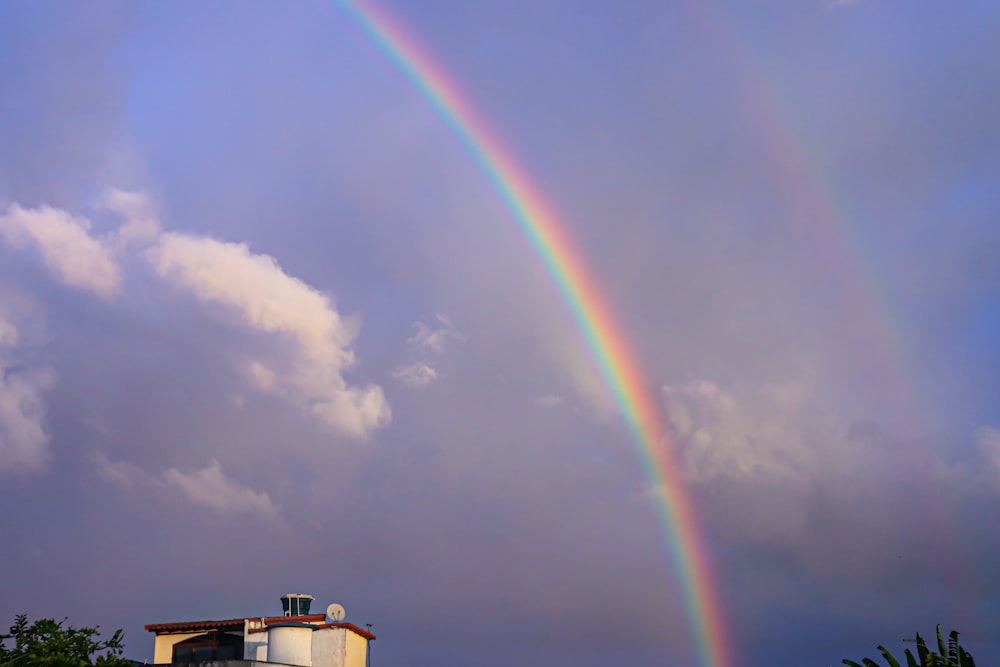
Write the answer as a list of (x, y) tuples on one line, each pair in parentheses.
[(23, 436), (209, 486), (775, 466), (774, 431), (66, 246), (141, 226), (416, 375), (428, 344), (256, 288), (124, 474), (253, 286), (434, 339)]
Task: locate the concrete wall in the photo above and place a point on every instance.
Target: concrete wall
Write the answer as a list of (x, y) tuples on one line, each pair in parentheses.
[(329, 647), (254, 645), (357, 650), (290, 644)]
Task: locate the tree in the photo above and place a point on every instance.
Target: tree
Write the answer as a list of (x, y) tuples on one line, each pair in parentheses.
[(50, 643), (950, 655)]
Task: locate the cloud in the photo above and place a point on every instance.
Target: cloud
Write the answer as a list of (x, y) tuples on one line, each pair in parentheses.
[(434, 340), (426, 345), (122, 473), (209, 486), (76, 258), (141, 226), (416, 375), (266, 299), (252, 285), (23, 436), (763, 434), (776, 467)]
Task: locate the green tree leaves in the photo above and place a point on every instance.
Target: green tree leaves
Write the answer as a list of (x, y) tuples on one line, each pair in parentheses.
[(948, 655), (50, 643)]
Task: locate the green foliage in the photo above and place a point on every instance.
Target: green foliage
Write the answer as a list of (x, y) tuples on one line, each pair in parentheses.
[(49, 643), (948, 655)]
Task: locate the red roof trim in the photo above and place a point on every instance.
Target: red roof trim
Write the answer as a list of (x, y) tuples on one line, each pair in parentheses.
[(347, 626), (352, 628), (193, 626), (305, 618)]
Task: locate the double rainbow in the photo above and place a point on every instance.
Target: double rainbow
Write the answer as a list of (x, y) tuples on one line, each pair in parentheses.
[(595, 319)]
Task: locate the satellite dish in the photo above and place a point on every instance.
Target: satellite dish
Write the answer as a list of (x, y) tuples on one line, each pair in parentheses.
[(335, 613)]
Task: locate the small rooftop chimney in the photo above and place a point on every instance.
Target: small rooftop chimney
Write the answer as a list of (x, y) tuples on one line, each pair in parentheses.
[(296, 604)]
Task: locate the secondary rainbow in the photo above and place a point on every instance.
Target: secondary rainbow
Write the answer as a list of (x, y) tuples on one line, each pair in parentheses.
[(595, 319)]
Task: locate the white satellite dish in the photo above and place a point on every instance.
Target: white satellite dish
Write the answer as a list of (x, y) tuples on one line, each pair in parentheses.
[(335, 613)]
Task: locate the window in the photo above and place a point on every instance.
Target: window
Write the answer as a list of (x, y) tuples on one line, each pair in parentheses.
[(208, 647)]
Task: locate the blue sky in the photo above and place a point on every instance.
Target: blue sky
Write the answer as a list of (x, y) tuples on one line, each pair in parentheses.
[(265, 328)]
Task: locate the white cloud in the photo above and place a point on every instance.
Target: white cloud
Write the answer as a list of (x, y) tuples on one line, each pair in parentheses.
[(428, 343), (76, 258), (254, 286), (141, 226), (267, 299), (209, 486), (23, 436), (770, 432), (416, 375), (434, 340), (8, 333), (122, 473)]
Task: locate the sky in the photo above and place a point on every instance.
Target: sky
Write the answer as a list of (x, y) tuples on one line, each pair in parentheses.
[(266, 325)]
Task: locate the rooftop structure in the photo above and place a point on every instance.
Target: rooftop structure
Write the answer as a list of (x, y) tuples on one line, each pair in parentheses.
[(297, 638)]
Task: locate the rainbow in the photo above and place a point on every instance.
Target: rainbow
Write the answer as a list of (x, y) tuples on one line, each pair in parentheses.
[(603, 334)]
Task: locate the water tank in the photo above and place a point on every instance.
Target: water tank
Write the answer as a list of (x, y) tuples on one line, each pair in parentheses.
[(290, 643), (296, 604)]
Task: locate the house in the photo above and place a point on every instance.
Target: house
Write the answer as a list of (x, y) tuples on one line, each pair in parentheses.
[(296, 638)]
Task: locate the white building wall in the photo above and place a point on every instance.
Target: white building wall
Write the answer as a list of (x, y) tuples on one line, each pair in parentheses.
[(254, 643), (290, 644), (329, 647)]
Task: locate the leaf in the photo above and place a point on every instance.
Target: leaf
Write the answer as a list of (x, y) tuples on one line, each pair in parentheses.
[(888, 656), (922, 650), (942, 650), (51, 643)]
